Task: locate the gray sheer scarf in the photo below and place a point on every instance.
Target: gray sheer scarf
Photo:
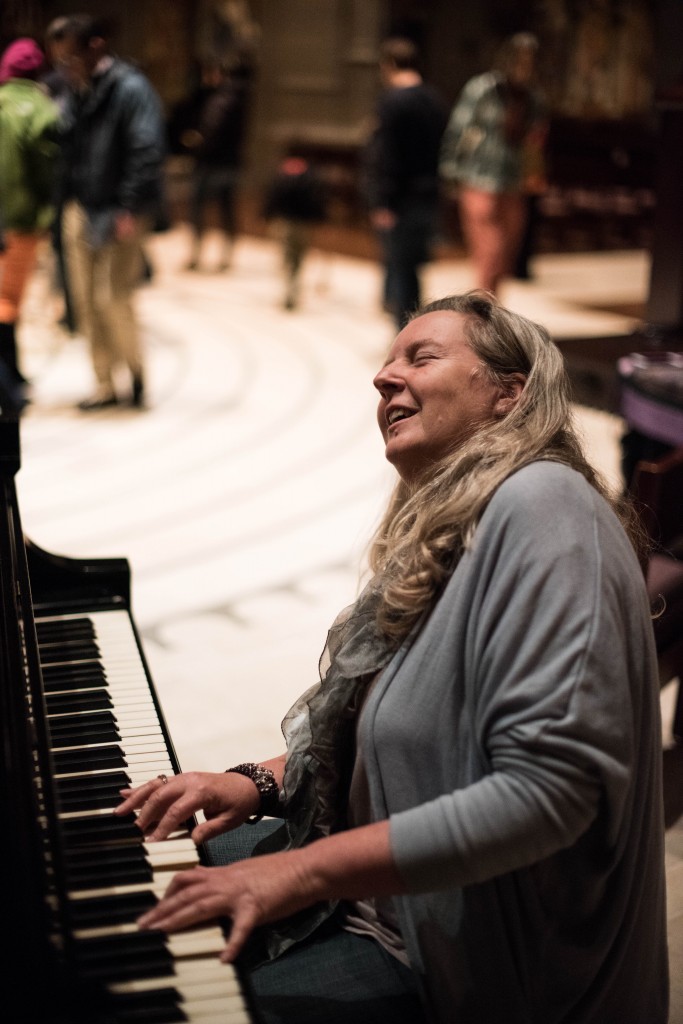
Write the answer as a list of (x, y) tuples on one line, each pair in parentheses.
[(320, 730)]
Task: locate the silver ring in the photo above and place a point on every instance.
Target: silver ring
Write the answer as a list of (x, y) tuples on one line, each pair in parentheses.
[(163, 778)]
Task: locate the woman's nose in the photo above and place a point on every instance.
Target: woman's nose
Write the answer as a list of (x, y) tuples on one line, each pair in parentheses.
[(387, 382)]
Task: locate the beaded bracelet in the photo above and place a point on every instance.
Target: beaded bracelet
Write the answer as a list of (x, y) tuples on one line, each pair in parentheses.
[(266, 783)]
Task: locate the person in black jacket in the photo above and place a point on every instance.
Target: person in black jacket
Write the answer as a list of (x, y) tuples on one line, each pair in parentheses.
[(112, 192), (402, 160), (216, 145)]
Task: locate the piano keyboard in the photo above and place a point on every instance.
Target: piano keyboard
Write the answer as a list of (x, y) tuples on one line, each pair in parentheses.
[(105, 733)]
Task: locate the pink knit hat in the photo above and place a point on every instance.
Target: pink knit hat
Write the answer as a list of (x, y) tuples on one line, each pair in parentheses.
[(22, 59)]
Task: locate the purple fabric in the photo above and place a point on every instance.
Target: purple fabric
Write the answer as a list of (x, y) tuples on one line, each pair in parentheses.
[(652, 395), (652, 418)]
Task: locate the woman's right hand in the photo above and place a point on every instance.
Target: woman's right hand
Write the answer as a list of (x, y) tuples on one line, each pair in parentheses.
[(165, 804)]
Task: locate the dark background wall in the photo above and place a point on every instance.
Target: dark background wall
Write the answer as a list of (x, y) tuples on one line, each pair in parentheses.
[(316, 78)]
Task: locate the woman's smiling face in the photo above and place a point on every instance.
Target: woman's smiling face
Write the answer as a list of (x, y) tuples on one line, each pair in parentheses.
[(435, 393)]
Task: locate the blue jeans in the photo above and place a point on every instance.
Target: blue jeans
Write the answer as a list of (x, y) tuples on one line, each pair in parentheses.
[(333, 977), (405, 247)]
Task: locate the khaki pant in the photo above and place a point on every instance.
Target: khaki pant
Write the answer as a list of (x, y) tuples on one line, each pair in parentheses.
[(102, 282)]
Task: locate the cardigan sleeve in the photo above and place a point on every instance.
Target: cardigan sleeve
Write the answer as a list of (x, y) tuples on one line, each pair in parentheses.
[(556, 634)]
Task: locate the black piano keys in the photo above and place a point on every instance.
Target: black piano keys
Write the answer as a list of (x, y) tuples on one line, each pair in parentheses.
[(105, 734)]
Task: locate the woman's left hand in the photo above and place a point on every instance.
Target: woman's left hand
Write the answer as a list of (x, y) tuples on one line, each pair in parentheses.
[(250, 892)]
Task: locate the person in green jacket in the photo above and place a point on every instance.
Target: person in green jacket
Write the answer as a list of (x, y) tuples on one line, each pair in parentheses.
[(28, 156)]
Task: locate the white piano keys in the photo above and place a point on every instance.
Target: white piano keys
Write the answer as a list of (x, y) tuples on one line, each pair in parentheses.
[(193, 942), (209, 991), (205, 980)]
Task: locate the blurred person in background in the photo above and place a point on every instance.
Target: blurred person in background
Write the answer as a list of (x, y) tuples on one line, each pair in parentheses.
[(112, 194), (53, 78), (295, 201), (402, 183), (216, 144), (28, 155), (58, 88), (492, 155)]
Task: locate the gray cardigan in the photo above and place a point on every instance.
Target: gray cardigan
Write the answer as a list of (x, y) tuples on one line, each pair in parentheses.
[(516, 748)]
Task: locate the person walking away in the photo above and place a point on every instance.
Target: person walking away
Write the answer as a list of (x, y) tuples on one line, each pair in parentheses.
[(114, 151), (402, 184), (216, 145), (295, 201), (28, 155), (484, 155)]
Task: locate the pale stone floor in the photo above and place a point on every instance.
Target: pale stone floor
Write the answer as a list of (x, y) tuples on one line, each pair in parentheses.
[(245, 496)]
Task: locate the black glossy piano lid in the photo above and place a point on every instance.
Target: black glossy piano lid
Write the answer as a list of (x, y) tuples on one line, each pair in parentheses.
[(56, 579)]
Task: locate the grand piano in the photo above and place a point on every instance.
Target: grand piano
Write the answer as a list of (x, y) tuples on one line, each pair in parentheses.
[(80, 719)]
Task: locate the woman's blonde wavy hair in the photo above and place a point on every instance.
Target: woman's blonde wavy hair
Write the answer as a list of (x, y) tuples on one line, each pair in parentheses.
[(429, 523)]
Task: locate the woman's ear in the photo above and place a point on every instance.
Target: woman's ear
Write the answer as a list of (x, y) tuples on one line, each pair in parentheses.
[(510, 394)]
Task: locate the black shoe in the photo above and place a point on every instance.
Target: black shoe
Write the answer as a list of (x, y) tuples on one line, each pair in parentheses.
[(137, 398), (100, 400)]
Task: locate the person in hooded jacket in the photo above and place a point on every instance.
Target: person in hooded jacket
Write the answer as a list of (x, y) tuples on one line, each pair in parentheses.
[(28, 160)]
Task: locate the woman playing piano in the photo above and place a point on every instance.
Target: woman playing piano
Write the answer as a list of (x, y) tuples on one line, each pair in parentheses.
[(471, 801)]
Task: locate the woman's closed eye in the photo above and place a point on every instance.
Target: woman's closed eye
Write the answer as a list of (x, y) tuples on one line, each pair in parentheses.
[(424, 357)]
